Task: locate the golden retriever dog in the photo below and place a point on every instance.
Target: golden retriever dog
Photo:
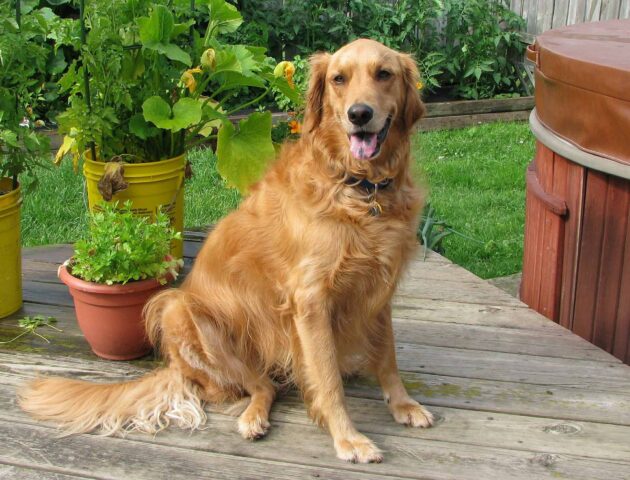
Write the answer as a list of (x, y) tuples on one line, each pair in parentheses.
[(293, 287)]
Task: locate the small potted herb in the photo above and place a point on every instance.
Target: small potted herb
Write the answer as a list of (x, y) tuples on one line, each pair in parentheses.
[(121, 263)]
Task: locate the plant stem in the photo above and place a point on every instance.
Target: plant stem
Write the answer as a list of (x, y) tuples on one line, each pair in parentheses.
[(18, 13), (197, 128), (251, 102), (204, 84), (18, 20), (15, 338), (86, 78), (200, 141), (191, 37), (40, 336)]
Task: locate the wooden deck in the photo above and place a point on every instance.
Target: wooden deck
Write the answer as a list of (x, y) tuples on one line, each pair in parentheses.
[(516, 397)]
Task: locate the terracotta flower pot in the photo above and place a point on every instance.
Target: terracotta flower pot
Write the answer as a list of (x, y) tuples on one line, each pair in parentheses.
[(110, 316)]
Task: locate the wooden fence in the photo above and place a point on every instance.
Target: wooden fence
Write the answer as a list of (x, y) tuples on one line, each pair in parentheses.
[(542, 15)]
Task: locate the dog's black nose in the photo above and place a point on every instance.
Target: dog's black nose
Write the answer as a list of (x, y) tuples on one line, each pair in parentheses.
[(360, 114)]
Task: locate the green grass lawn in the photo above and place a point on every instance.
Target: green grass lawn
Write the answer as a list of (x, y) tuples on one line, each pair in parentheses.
[(475, 177)]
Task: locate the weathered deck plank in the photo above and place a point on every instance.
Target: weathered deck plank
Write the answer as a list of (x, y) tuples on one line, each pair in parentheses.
[(310, 445), (38, 446), (553, 401), (516, 396), (546, 341), (18, 472)]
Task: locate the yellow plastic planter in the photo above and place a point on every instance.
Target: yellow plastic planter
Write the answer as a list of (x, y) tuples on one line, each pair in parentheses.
[(10, 250), (151, 186)]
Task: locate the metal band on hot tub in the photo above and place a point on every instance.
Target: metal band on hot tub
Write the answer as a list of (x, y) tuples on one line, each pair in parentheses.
[(571, 152)]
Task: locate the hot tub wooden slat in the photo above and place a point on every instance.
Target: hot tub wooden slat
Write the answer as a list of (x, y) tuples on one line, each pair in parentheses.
[(552, 253), (621, 348), (573, 195), (612, 261), (590, 254)]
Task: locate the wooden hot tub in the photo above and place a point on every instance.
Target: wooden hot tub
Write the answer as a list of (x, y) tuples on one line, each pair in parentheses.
[(576, 264)]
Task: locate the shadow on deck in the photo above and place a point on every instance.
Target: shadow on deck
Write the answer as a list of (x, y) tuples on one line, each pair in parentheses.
[(516, 397)]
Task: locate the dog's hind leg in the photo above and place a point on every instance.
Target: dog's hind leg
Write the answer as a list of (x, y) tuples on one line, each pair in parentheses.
[(253, 423), (211, 351), (383, 364), (203, 348)]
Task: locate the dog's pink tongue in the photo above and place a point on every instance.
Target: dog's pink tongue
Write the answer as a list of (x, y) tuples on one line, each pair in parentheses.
[(363, 147)]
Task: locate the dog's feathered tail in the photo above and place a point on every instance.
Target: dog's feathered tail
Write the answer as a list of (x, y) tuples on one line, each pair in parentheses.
[(147, 404)]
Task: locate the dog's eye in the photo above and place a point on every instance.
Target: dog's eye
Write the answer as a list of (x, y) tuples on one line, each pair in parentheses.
[(383, 74), (338, 79)]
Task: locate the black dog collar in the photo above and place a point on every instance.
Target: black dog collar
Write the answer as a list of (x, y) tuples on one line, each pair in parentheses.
[(371, 189)]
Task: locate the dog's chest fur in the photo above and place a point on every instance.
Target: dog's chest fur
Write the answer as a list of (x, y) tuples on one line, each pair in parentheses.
[(367, 261)]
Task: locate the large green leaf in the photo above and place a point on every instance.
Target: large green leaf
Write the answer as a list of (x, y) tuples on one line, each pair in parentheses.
[(132, 65), (283, 86), (56, 62), (156, 28), (239, 60), (28, 6), (156, 31), (226, 61), (244, 153), (141, 128), (231, 80), (36, 143), (173, 52), (224, 18), (9, 138), (185, 113), (180, 28), (249, 64)]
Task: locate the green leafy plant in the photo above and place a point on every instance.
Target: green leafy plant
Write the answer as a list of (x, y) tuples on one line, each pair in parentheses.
[(162, 79), (294, 103), (481, 43), (120, 247), (432, 231), (31, 324), (21, 150), (24, 59), (465, 48)]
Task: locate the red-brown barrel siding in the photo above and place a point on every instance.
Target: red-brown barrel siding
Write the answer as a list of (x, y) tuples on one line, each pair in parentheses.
[(576, 268)]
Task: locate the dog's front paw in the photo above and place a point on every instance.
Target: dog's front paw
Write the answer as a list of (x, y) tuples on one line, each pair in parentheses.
[(252, 427), (411, 413), (358, 449)]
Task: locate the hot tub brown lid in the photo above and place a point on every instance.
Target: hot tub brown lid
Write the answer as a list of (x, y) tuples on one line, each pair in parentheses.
[(569, 151), (583, 86)]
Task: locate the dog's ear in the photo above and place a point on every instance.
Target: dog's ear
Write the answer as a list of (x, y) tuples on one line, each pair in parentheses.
[(316, 86), (413, 108)]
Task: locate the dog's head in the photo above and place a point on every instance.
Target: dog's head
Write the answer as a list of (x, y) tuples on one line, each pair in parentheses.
[(363, 99)]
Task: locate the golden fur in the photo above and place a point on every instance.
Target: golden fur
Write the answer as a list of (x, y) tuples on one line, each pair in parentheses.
[(296, 284)]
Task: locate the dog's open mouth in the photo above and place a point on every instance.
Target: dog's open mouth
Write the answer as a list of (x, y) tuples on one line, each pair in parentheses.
[(366, 145)]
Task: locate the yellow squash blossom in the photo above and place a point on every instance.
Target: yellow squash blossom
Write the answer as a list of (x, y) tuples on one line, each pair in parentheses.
[(188, 79), (69, 146), (208, 59), (287, 69)]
